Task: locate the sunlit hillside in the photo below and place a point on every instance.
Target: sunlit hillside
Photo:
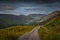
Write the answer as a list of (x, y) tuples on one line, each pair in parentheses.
[(13, 32), (50, 16), (51, 30)]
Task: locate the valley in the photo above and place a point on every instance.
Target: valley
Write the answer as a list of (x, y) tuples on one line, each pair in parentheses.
[(46, 28)]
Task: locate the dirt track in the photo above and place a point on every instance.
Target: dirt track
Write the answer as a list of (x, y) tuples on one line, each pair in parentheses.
[(33, 35)]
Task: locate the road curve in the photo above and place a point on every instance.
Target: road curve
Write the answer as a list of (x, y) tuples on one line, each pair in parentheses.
[(33, 35)]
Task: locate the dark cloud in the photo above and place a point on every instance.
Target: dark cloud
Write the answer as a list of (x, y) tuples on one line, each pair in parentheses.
[(6, 7), (26, 7), (33, 0)]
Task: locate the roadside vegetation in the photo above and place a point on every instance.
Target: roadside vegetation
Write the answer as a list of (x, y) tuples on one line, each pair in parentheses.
[(13, 32), (51, 30)]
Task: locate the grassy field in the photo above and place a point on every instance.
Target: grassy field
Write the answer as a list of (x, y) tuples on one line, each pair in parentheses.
[(51, 30), (13, 32)]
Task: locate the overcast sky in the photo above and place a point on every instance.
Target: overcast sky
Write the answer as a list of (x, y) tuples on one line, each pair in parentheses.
[(18, 8)]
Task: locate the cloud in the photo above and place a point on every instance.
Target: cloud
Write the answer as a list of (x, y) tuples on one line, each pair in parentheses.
[(5, 7), (43, 1), (30, 8)]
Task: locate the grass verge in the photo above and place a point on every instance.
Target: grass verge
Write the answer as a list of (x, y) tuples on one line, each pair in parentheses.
[(12, 33)]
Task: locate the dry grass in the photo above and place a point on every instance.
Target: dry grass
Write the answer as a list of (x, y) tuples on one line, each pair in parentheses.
[(51, 30), (14, 32)]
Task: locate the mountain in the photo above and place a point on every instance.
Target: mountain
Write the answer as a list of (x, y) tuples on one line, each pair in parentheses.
[(49, 17), (36, 16), (54, 20), (9, 19), (51, 28)]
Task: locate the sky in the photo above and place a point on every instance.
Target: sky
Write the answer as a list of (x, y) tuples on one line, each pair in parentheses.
[(26, 7)]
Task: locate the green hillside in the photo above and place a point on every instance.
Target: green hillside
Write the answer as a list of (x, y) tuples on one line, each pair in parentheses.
[(7, 20), (51, 30), (54, 22), (50, 16), (13, 32)]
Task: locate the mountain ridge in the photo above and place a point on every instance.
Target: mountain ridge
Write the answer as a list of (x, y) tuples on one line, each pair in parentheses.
[(8, 19), (49, 17)]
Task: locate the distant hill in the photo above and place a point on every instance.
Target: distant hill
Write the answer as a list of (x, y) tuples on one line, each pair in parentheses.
[(8, 19), (36, 16)]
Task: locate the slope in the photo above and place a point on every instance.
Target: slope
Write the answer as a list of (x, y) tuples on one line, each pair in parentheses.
[(49, 17), (13, 32), (51, 29), (9, 19)]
